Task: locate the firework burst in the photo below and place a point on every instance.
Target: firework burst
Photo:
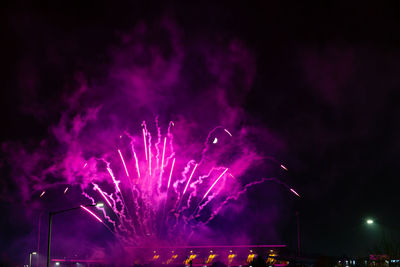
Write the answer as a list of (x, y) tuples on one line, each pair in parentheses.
[(153, 196)]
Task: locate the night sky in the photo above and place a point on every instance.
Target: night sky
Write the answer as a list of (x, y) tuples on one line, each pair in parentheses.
[(323, 87)]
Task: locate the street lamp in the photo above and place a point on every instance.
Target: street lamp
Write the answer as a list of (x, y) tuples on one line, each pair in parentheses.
[(51, 213), (30, 258), (370, 221)]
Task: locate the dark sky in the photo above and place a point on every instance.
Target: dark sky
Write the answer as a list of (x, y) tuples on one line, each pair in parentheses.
[(326, 83)]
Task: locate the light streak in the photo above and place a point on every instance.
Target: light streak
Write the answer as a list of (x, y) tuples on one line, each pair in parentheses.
[(42, 193), (294, 192), (216, 181), (215, 140), (283, 167), (162, 159), (96, 187), (94, 215), (150, 160), (76, 260), (136, 163), (113, 178), (66, 189), (195, 166), (85, 165), (226, 246), (123, 162), (170, 174), (228, 132), (145, 144)]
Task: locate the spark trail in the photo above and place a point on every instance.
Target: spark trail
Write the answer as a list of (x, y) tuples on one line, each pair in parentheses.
[(144, 141), (123, 162), (116, 183), (136, 162), (216, 181), (162, 162), (170, 174), (190, 178), (96, 187), (91, 213)]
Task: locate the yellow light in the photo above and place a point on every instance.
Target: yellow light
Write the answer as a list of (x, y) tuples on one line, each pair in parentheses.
[(270, 261), (230, 258), (191, 258), (250, 258), (170, 260), (210, 258)]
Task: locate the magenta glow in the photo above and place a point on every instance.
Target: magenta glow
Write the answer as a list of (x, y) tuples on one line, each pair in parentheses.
[(158, 206)]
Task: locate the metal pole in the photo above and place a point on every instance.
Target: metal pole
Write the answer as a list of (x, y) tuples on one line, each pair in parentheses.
[(50, 218), (38, 244), (298, 233), (30, 259), (49, 240)]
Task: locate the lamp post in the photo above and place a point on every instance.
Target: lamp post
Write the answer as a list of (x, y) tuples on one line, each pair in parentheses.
[(30, 258), (298, 232), (38, 240), (52, 213), (375, 234)]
